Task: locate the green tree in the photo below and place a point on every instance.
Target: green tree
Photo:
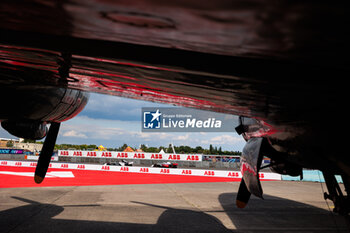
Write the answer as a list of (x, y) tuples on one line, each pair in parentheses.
[(143, 147), (123, 147), (152, 149), (198, 150), (211, 149), (169, 149), (28, 141), (9, 143)]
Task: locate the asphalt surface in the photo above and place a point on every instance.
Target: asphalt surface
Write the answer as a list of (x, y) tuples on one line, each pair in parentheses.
[(196, 207)]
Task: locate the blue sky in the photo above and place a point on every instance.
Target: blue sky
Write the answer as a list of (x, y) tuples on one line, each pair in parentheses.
[(112, 121)]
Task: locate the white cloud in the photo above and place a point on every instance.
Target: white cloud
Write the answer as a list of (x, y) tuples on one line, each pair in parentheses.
[(182, 137), (226, 139), (73, 133)]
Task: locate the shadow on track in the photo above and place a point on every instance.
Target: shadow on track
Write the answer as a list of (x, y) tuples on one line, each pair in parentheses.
[(272, 215)]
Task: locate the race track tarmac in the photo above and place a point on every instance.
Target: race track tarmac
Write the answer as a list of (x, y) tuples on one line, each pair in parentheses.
[(192, 207)]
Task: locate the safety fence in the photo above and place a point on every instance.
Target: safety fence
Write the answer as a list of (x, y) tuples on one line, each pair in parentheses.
[(151, 170)]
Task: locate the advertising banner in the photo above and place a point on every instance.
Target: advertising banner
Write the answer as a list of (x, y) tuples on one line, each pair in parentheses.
[(130, 155), (11, 151), (151, 170)]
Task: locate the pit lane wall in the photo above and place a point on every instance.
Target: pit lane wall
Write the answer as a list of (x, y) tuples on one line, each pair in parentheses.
[(130, 155), (151, 170)]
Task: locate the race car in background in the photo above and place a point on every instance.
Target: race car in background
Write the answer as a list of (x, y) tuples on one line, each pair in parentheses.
[(166, 164), (121, 163)]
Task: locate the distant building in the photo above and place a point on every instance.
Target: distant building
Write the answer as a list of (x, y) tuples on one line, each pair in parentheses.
[(4, 141), (33, 147), (18, 144)]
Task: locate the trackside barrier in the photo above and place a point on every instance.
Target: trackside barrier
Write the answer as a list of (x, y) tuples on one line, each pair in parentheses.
[(130, 155), (33, 157), (151, 170), (310, 175)]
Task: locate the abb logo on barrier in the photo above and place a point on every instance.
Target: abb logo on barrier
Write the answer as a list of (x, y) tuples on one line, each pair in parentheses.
[(78, 153), (3, 162), (165, 171), (139, 156), (144, 170), (32, 164), (91, 154), (186, 172), (18, 164), (261, 175), (107, 154), (124, 169), (122, 155), (174, 157), (157, 156), (64, 153), (64, 165), (233, 174), (81, 166), (209, 173), (193, 157), (106, 168)]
